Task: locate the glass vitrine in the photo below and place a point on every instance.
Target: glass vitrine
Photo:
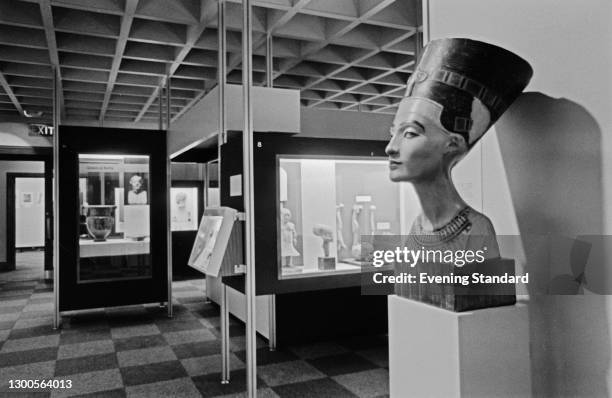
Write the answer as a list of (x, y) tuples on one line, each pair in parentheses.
[(325, 206), (114, 218)]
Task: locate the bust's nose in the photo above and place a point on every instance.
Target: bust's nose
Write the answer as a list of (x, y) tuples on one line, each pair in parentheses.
[(392, 148)]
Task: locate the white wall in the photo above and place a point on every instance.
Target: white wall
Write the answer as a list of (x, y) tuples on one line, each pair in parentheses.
[(274, 109), (16, 134), (30, 214), (344, 124), (12, 167), (547, 169)]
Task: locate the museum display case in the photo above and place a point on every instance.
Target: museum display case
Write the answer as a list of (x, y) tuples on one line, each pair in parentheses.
[(325, 206), (315, 200), (113, 219)]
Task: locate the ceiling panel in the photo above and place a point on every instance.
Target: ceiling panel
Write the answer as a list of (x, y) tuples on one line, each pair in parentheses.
[(113, 55)]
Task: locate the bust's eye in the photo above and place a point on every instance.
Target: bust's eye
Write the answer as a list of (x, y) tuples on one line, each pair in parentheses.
[(410, 132)]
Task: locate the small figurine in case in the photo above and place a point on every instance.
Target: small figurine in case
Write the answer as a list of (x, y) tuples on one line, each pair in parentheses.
[(326, 233)]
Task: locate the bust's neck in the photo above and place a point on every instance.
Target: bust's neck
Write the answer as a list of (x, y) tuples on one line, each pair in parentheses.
[(440, 201)]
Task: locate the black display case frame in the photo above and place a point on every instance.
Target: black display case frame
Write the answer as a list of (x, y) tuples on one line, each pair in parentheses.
[(267, 149), (105, 141)]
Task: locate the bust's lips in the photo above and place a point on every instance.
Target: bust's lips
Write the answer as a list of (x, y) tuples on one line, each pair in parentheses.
[(394, 164)]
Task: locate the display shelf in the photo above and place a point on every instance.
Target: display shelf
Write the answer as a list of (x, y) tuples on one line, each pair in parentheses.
[(113, 247), (301, 272)]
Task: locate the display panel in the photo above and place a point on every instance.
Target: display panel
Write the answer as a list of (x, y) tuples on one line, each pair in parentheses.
[(184, 209), (114, 221), (325, 205)]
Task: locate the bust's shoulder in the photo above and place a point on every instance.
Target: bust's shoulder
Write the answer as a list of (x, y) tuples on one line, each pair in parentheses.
[(481, 224)]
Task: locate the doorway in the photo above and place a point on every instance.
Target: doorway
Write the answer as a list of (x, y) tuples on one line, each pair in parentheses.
[(26, 223)]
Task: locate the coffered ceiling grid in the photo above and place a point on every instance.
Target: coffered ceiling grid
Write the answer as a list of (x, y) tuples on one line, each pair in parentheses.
[(114, 55)]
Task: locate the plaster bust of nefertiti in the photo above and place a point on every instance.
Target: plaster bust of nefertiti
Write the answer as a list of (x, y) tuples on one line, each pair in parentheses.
[(457, 92)]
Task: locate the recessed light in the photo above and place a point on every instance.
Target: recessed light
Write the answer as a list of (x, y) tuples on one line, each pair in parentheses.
[(32, 114)]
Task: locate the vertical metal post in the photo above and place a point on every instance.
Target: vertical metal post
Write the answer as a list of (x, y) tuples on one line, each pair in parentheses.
[(222, 73), (272, 297), (225, 338), (160, 92), (57, 320), (425, 21), (168, 185), (249, 208), (222, 139), (168, 98), (269, 60)]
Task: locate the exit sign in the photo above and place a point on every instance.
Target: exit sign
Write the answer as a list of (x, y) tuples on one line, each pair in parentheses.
[(41, 130)]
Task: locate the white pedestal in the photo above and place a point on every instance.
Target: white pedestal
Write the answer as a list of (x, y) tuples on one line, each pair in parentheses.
[(439, 353)]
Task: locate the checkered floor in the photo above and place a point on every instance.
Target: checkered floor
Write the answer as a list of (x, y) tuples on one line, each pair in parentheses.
[(138, 352)]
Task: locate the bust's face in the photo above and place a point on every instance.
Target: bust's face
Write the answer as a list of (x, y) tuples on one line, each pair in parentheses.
[(136, 183), (417, 147)]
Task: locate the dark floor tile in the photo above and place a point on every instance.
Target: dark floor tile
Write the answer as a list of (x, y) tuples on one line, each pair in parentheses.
[(18, 286), (195, 299), (43, 330), (137, 342), (267, 357), (334, 365), (118, 320), (177, 325), (64, 367), (364, 342), (94, 320), (319, 388), (29, 356), (11, 309), (197, 349), (154, 372), (118, 393), (82, 335), (27, 394), (209, 385)]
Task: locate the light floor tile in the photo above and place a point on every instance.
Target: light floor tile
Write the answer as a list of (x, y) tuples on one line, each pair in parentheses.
[(188, 336), (85, 349), (30, 371), (288, 372), (86, 383), (145, 356), (366, 384), (178, 388), (209, 364), (132, 331)]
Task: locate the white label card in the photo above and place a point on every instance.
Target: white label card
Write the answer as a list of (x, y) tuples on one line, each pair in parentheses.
[(236, 185)]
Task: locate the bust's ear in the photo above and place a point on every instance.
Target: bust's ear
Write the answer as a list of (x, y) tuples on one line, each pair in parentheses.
[(456, 145)]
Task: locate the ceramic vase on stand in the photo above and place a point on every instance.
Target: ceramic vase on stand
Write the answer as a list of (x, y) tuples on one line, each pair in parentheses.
[(100, 221)]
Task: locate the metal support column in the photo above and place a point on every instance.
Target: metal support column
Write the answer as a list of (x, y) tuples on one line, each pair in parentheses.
[(221, 74), (249, 208), (272, 298), (57, 320), (222, 139), (168, 185), (225, 338), (160, 91)]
